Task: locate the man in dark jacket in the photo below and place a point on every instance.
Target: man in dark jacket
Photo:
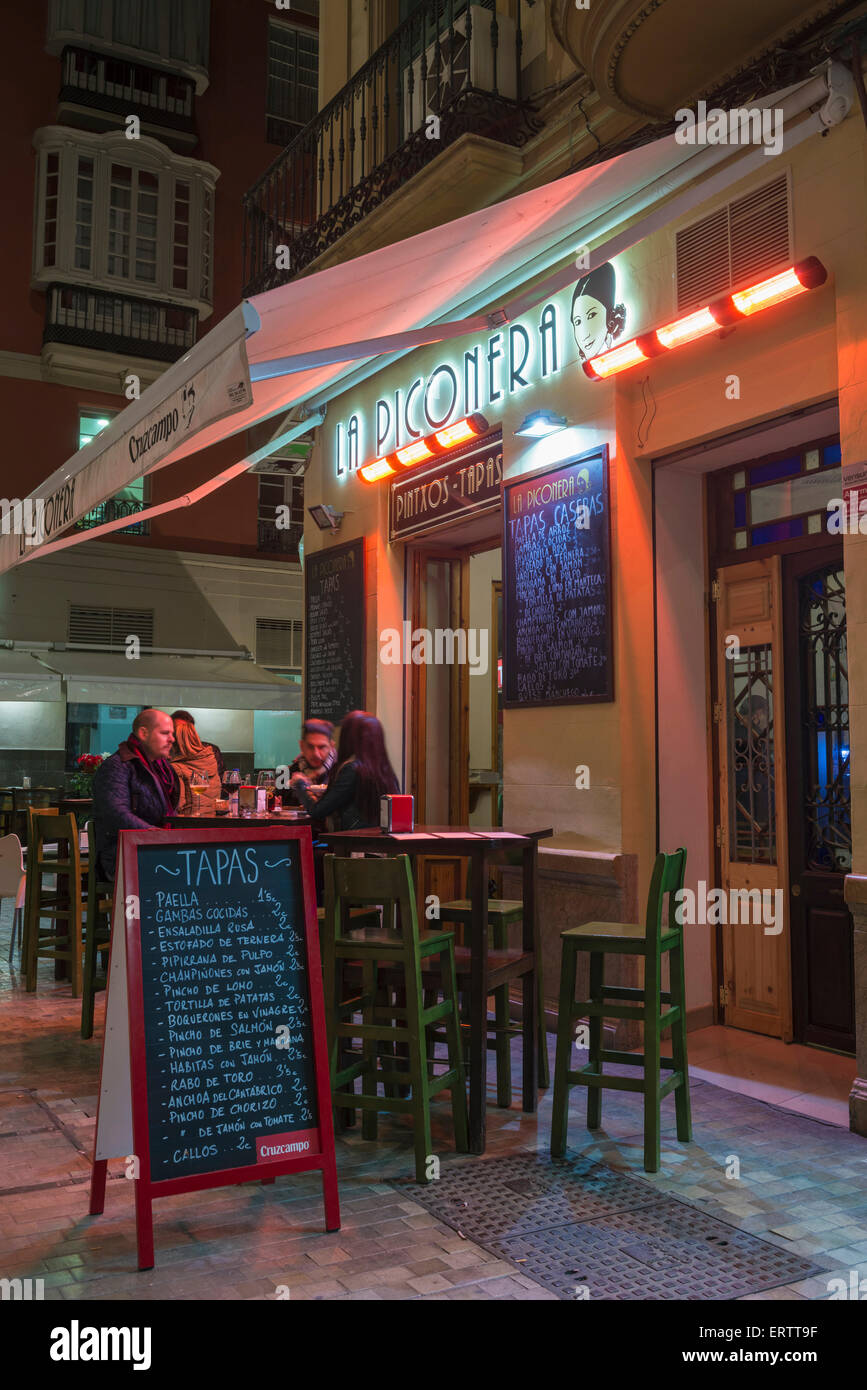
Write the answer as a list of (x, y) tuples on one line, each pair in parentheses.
[(137, 787)]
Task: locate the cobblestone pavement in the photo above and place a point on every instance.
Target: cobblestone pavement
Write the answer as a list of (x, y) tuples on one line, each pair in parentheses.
[(802, 1184)]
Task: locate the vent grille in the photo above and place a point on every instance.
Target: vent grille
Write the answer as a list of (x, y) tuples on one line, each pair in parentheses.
[(110, 627), (737, 244), (279, 641)]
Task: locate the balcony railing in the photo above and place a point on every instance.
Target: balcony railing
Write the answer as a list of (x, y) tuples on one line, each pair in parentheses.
[(121, 86), (118, 323), (280, 540), (112, 510), (449, 69)]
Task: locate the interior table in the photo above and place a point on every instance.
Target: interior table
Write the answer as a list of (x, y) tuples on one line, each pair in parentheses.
[(478, 845)]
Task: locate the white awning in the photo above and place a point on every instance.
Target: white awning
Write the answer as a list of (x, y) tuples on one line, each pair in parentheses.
[(171, 682), (306, 341), (22, 677)]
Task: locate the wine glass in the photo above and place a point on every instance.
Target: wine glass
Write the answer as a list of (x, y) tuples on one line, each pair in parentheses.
[(268, 779), (198, 789)]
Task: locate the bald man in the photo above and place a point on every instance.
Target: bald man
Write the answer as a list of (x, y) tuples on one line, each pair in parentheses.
[(137, 787)]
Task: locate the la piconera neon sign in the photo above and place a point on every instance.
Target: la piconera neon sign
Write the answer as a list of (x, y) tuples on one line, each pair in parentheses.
[(508, 360)]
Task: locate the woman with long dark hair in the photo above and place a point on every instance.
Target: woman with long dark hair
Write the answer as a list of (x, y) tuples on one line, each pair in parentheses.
[(362, 774)]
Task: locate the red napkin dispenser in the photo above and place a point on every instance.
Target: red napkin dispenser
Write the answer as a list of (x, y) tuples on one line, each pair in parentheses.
[(397, 813)]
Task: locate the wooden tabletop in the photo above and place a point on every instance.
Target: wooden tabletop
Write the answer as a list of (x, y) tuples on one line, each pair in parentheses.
[(460, 839), (209, 821)]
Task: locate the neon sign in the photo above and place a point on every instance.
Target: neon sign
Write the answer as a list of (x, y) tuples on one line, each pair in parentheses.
[(454, 389)]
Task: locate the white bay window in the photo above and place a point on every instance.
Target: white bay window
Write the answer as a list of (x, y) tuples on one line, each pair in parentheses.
[(121, 214)]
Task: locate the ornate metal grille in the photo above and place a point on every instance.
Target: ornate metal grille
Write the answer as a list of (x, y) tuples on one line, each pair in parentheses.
[(750, 733), (825, 676)]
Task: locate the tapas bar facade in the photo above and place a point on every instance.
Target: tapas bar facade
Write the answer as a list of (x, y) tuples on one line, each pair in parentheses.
[(627, 489)]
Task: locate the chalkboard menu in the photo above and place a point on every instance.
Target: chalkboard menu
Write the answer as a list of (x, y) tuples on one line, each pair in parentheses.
[(334, 631), (557, 585), (228, 1045), (215, 1058)]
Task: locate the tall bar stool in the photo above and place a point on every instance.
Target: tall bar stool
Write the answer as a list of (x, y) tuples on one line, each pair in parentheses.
[(97, 930), (61, 906), (503, 915), (13, 882), (651, 941), (389, 959)]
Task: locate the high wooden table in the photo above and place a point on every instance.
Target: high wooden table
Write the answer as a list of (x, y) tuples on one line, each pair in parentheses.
[(478, 845)]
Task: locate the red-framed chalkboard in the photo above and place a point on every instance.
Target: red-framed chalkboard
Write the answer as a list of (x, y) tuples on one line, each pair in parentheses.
[(215, 1062)]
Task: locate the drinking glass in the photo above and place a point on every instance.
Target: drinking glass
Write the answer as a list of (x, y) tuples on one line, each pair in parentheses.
[(268, 779), (198, 789), (246, 798)]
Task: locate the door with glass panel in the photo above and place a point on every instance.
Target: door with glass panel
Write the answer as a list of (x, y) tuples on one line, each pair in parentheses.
[(749, 714), (820, 841)]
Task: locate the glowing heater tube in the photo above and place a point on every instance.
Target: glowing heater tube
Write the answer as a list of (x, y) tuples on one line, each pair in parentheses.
[(805, 275), (687, 329), (462, 431), (412, 454), (372, 472), (616, 360)]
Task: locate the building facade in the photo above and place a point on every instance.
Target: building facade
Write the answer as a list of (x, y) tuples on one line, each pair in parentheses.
[(720, 715), (129, 149)]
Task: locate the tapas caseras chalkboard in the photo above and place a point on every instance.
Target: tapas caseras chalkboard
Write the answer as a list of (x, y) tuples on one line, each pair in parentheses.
[(557, 585), (334, 602)]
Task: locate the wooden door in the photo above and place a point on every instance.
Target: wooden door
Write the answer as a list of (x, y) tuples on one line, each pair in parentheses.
[(752, 836), (820, 828), (439, 716)]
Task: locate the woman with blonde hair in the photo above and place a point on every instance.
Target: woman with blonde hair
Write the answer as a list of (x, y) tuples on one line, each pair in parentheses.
[(190, 755)]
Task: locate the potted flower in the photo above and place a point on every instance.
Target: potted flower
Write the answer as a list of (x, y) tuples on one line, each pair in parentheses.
[(81, 780)]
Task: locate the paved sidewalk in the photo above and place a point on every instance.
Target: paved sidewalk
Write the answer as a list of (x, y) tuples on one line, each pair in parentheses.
[(793, 1181)]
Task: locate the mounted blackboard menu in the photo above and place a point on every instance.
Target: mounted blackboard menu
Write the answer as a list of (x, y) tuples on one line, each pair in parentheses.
[(334, 631), (557, 585), (215, 1061)]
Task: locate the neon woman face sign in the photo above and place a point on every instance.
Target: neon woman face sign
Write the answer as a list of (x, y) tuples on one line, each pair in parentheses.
[(596, 317)]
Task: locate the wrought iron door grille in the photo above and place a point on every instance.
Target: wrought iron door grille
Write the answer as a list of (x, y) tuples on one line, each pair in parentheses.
[(750, 734), (825, 674)]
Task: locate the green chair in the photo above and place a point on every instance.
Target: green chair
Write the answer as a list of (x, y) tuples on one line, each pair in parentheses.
[(503, 914), (97, 931), (61, 904), (389, 959), (646, 1005)]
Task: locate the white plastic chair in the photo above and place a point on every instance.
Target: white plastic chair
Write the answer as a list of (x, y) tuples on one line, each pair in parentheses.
[(13, 882)]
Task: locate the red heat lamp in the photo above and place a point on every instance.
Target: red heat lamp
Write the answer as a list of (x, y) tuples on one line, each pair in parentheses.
[(442, 441), (722, 313)]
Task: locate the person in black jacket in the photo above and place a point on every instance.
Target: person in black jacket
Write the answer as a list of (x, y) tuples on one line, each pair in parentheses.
[(362, 775), (137, 787)]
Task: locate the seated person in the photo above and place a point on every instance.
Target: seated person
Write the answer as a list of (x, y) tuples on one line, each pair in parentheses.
[(190, 755), (317, 755), (136, 788), (183, 714), (363, 774)]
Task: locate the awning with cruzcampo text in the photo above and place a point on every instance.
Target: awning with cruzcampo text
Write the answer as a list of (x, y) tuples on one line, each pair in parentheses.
[(298, 346)]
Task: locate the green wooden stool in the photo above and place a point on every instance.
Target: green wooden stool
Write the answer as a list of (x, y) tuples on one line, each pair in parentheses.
[(504, 913), (391, 957), (97, 931), (645, 1005)]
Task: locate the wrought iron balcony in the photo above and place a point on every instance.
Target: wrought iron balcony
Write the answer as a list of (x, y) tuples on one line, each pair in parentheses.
[(450, 68), (120, 86), (111, 510), (280, 540), (118, 323)]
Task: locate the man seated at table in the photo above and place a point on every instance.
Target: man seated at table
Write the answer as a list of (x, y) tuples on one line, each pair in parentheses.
[(316, 758), (137, 787)]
